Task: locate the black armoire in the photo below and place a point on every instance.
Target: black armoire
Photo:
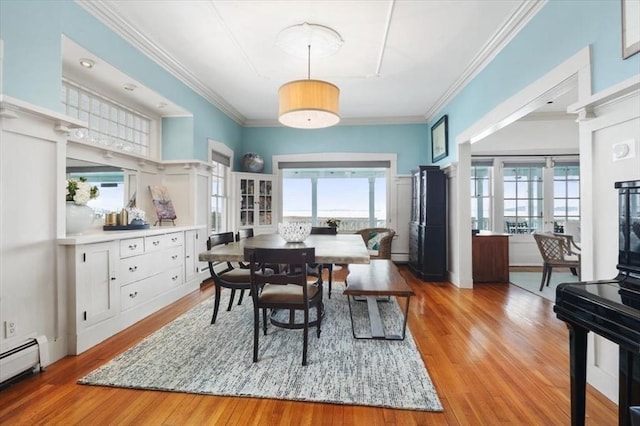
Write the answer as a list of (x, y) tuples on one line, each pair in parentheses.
[(428, 227)]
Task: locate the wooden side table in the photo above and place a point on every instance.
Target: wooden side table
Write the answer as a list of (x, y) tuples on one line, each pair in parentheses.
[(490, 257)]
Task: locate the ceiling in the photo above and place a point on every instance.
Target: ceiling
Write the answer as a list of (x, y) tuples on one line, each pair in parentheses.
[(400, 61)]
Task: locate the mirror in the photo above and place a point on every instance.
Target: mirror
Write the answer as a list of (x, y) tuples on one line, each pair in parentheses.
[(110, 180)]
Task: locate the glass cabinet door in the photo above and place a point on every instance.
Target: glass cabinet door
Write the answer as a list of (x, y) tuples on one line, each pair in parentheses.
[(256, 207), (247, 200), (265, 216)]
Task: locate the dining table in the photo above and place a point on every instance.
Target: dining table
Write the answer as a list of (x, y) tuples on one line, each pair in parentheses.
[(341, 249)]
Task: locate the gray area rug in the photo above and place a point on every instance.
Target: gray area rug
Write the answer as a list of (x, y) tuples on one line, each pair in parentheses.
[(191, 355), (530, 281)]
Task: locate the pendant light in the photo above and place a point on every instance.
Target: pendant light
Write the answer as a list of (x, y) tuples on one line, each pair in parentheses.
[(309, 104)]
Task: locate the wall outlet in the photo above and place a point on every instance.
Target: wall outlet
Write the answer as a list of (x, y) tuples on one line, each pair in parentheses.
[(10, 328)]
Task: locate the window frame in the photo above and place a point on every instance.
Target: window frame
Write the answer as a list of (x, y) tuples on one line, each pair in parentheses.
[(390, 159), (219, 153), (476, 194)]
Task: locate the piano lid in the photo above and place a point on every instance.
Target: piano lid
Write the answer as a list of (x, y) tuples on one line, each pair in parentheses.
[(611, 308)]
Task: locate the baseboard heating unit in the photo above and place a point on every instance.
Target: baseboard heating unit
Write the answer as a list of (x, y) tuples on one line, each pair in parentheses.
[(31, 356)]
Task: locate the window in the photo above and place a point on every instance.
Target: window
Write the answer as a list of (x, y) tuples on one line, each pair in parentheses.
[(355, 196), (110, 124), (523, 199), (566, 195), (481, 197), (219, 196)]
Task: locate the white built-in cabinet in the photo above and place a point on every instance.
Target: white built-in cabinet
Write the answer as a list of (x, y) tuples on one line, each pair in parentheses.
[(191, 249), (255, 202), (114, 283), (154, 266), (94, 266)]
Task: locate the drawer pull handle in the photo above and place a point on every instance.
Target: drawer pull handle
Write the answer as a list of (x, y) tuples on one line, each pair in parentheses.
[(155, 243), (174, 257), (133, 295), (133, 268), (174, 239), (133, 246), (175, 277)]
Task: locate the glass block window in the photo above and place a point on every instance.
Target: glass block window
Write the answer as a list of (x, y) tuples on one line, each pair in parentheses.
[(110, 124)]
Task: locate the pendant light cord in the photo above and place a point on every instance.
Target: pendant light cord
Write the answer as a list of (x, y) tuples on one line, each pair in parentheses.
[(309, 63)]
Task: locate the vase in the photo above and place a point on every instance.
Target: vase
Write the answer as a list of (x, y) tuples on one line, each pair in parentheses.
[(79, 218)]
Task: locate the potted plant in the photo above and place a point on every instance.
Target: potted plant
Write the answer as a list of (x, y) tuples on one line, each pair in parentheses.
[(79, 215), (80, 191), (333, 222)]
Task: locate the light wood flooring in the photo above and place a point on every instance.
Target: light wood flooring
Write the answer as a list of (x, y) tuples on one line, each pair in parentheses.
[(497, 355)]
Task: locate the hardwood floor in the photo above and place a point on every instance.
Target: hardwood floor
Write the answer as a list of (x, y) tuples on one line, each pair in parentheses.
[(497, 355)]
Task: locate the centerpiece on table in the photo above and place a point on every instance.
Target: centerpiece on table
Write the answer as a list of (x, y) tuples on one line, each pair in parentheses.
[(333, 222), (79, 215), (294, 232)]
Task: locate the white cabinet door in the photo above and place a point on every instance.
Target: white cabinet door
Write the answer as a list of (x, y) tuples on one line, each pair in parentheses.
[(190, 255), (96, 282), (256, 203)]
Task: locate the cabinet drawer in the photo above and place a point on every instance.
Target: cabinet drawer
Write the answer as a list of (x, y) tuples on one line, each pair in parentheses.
[(156, 242), (175, 239), (172, 257), (139, 292), (161, 242), (138, 267), (131, 247)]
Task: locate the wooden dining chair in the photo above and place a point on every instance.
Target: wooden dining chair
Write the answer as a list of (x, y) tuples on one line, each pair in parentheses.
[(287, 289), (231, 277), (325, 230), (244, 233)]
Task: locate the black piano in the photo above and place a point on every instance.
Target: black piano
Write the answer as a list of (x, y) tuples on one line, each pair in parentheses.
[(609, 308)]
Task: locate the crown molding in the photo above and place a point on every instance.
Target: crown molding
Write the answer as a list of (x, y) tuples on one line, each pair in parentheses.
[(103, 12), (518, 20)]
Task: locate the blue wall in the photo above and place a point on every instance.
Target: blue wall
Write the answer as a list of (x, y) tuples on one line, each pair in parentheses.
[(560, 30), (409, 141), (32, 32)]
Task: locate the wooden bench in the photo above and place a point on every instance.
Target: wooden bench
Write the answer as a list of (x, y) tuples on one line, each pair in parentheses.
[(378, 278)]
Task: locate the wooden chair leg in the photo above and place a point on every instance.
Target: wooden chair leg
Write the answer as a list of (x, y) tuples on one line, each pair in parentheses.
[(549, 275), (256, 331), (330, 267), (216, 304), (264, 320), (544, 276), (305, 336), (233, 295), (574, 271), (319, 309)]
